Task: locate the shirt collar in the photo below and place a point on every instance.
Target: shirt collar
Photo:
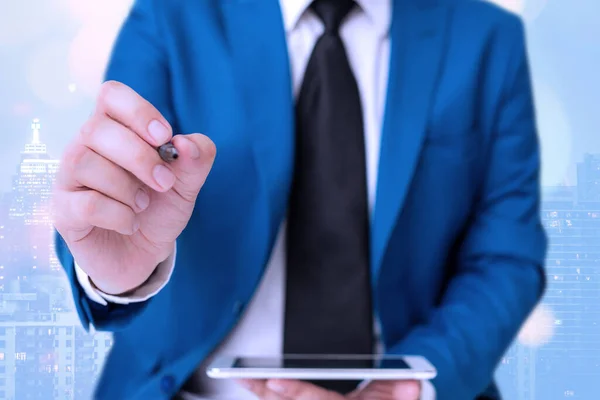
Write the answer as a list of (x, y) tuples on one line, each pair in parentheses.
[(378, 11)]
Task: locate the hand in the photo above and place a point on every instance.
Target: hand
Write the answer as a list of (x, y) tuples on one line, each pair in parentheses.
[(118, 206), (297, 390)]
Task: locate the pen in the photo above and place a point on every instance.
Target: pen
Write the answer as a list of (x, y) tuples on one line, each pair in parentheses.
[(168, 152)]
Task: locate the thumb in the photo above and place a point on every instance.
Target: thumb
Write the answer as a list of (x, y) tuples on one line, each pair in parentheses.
[(407, 390), (196, 156)]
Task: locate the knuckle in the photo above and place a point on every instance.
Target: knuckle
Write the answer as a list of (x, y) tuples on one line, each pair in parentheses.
[(70, 165), (58, 209), (141, 114), (66, 163), (79, 159), (131, 193), (107, 91), (89, 129), (89, 204), (140, 156)]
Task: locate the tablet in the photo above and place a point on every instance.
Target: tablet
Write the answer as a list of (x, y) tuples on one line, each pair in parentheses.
[(323, 367)]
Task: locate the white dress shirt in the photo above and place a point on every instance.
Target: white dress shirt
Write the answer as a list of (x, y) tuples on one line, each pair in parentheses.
[(365, 34)]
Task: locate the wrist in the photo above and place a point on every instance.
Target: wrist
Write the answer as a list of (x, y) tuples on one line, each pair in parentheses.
[(118, 292), (124, 287)]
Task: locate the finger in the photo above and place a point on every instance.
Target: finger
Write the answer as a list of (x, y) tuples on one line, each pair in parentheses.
[(123, 147), (299, 390), (90, 208), (407, 390), (259, 388), (90, 170), (124, 105), (196, 157), (375, 390)]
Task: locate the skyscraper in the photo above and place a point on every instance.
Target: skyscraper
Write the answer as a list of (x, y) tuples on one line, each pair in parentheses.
[(569, 365), (30, 214), (44, 352)]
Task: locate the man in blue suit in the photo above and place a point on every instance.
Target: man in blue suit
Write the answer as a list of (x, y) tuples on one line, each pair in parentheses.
[(376, 189)]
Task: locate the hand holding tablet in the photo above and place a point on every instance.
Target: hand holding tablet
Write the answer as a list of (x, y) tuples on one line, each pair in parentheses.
[(323, 367)]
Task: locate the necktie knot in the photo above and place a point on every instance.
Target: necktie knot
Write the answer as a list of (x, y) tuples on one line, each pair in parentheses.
[(332, 12)]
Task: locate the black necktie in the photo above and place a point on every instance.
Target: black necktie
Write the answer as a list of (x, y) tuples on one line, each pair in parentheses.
[(328, 292)]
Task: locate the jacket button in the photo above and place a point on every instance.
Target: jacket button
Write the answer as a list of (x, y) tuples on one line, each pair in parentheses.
[(167, 384)]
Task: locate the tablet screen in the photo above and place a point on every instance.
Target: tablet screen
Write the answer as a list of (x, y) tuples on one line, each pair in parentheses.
[(325, 362)]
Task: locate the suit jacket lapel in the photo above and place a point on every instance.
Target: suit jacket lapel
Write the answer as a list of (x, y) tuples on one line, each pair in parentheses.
[(417, 44), (257, 42)]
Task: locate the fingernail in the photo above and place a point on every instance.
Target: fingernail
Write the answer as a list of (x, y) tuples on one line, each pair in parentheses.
[(142, 200), (136, 226), (164, 177), (159, 132), (276, 387)]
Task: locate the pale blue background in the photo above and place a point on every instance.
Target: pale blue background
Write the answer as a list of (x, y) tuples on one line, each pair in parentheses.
[(52, 54)]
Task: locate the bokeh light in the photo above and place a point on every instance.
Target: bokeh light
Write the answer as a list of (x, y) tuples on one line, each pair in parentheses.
[(539, 327), (48, 75), (515, 6), (88, 55), (533, 8), (528, 9), (555, 135), (22, 21), (94, 11)]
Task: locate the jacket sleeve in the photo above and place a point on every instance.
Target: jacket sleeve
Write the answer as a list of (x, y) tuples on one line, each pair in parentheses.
[(500, 276), (138, 60)]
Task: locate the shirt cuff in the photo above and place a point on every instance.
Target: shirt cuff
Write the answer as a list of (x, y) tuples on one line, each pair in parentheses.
[(158, 280)]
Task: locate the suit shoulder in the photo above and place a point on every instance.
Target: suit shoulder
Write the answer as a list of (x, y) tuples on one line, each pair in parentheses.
[(484, 18), (485, 11)]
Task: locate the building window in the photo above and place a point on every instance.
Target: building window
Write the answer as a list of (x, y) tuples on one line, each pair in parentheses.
[(69, 344), (21, 356), (69, 331), (68, 368), (2, 344), (1, 356)]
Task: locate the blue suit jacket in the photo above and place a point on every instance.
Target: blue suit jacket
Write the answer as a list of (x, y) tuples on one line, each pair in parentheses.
[(457, 244)]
